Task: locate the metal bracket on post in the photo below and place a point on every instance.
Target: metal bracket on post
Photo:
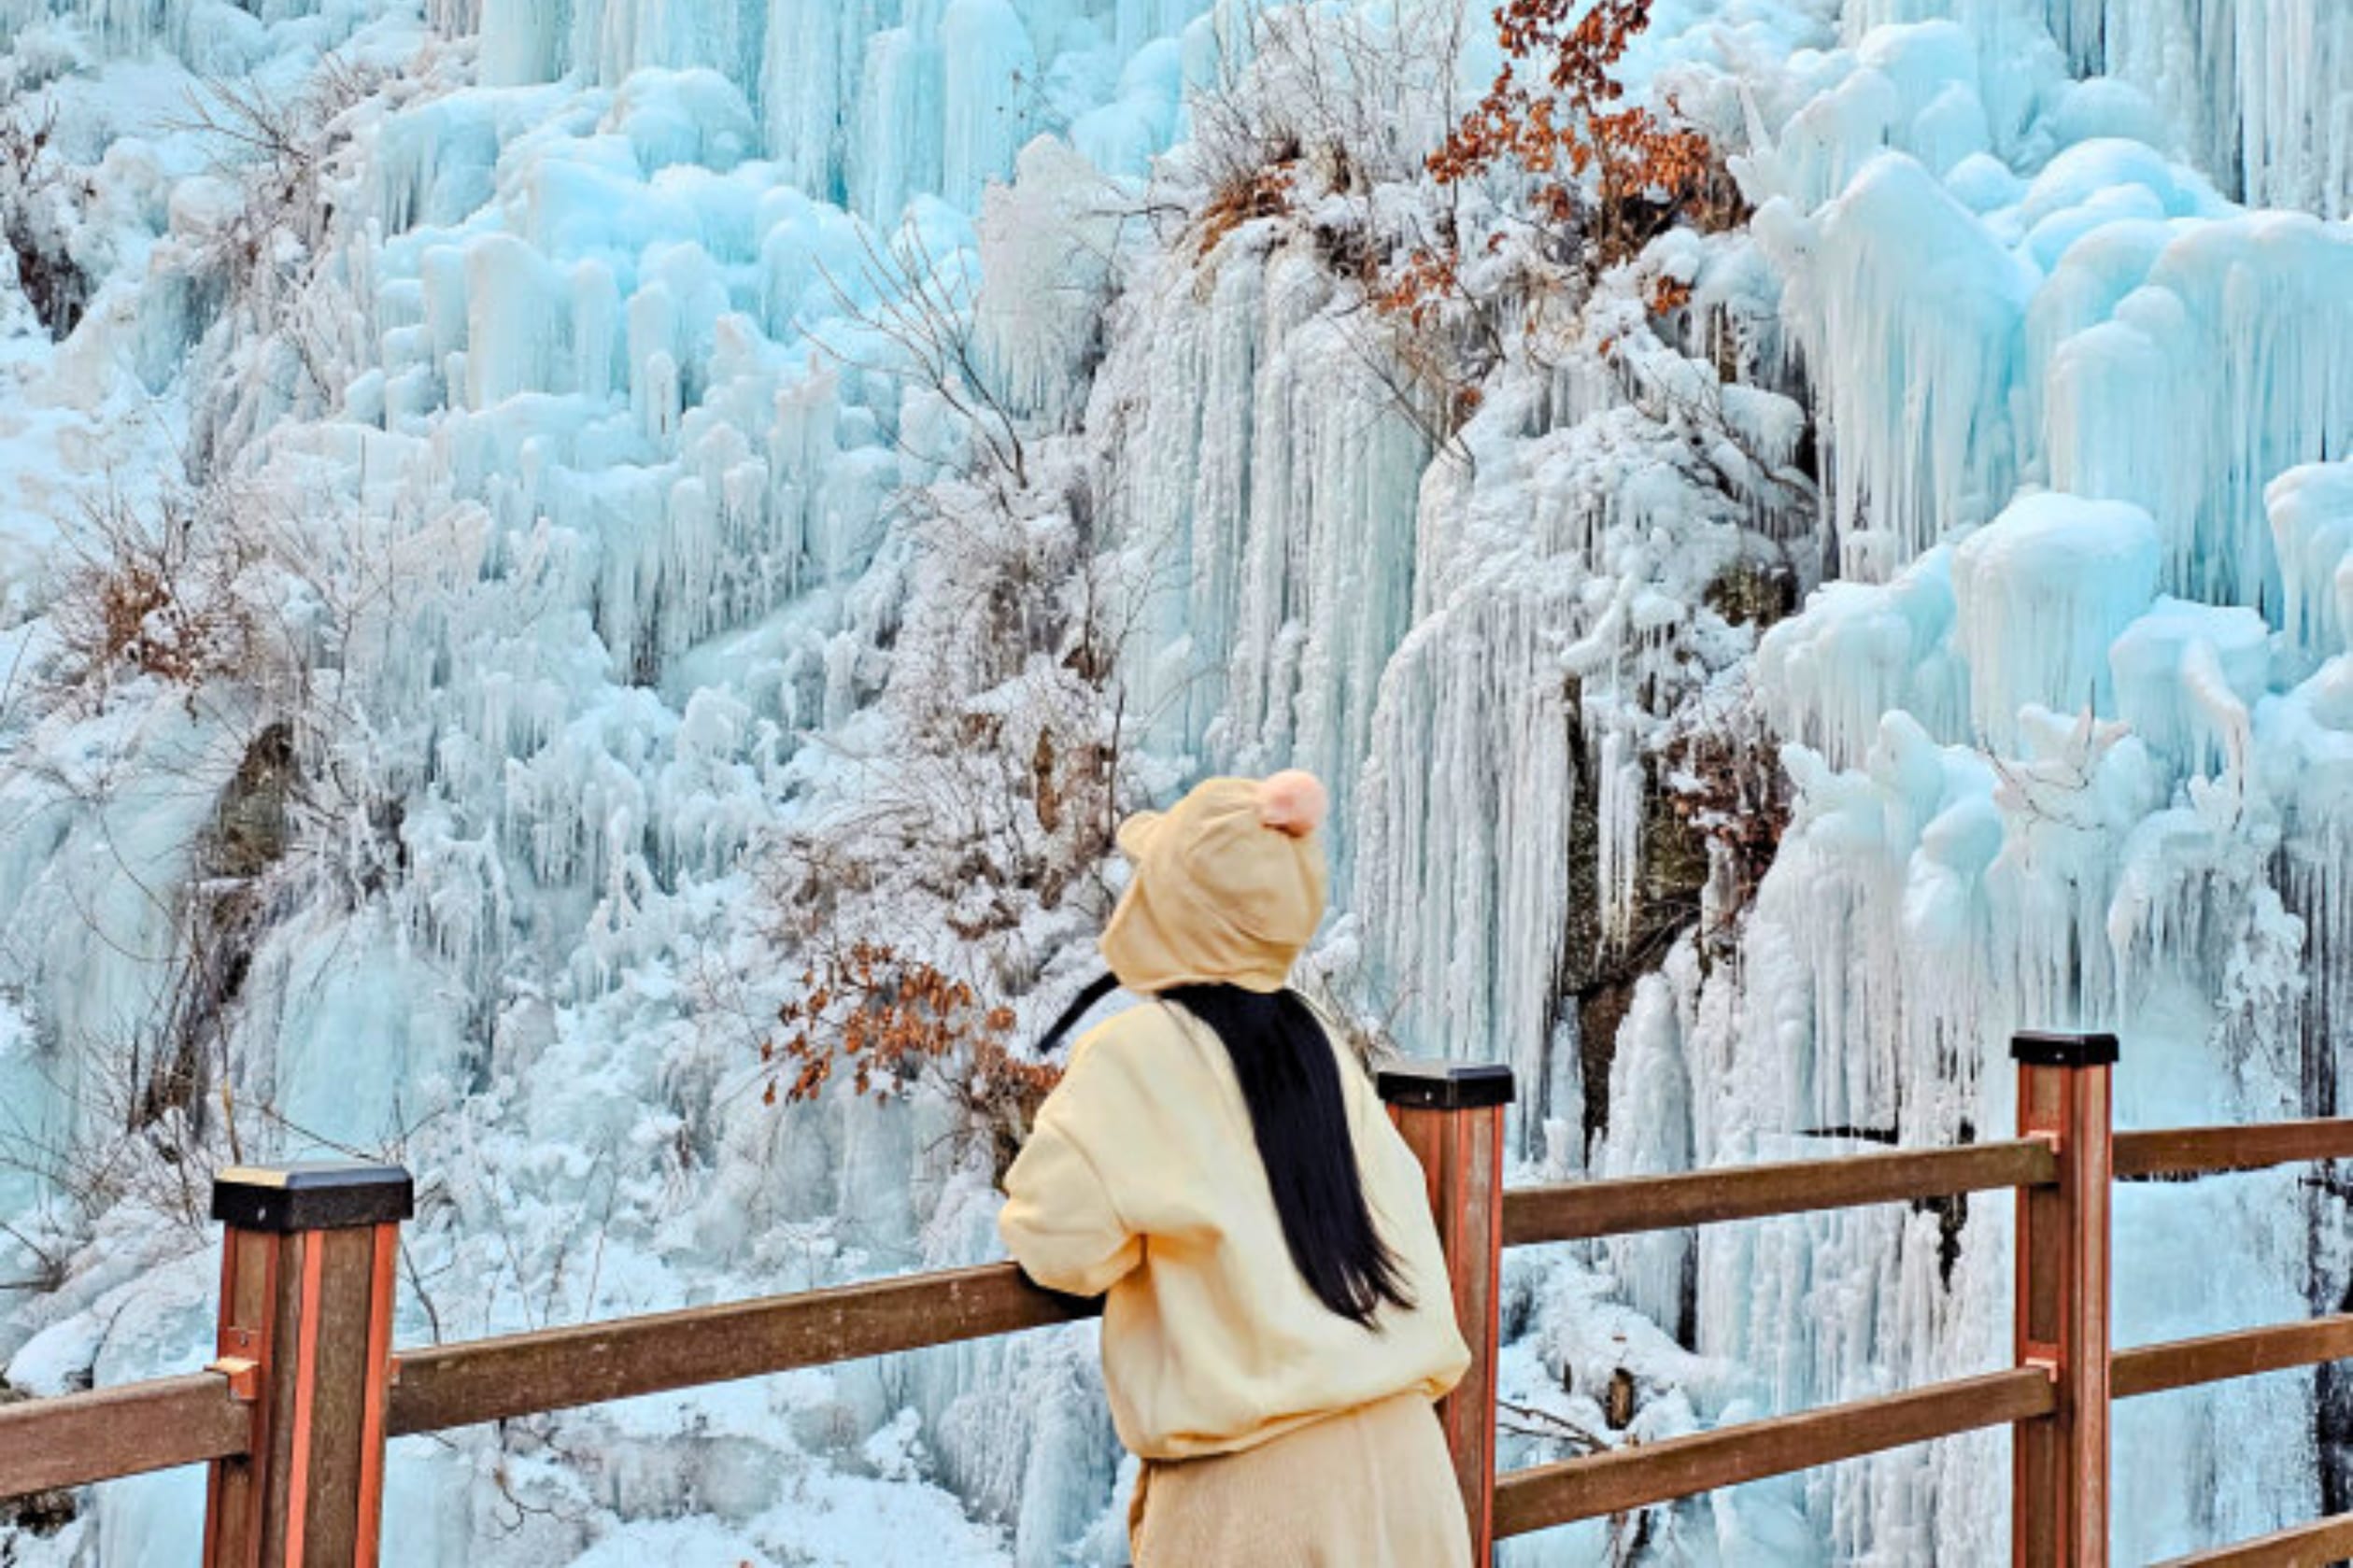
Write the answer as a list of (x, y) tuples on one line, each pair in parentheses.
[(2059, 1505), (1451, 1115), (305, 1335)]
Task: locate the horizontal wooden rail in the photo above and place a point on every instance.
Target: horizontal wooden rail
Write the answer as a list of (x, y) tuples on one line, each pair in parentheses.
[(52, 1443), (2204, 1150), (1580, 1210), (2307, 1545), (1635, 1477), (77, 1438), (524, 1374), (2183, 1364)]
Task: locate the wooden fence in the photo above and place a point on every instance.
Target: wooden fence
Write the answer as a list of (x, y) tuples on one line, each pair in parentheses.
[(293, 1415)]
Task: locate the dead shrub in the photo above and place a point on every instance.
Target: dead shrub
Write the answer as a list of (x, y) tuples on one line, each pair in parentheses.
[(172, 594), (886, 1022), (1243, 198), (276, 152), (1600, 179)]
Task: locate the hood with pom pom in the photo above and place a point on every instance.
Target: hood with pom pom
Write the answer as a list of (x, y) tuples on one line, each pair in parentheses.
[(1228, 887)]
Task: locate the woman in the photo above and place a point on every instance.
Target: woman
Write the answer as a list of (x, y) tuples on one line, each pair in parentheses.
[(1278, 1319)]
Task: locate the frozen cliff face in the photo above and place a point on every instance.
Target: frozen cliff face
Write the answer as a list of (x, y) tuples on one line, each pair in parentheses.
[(2071, 760), (723, 479), (2253, 92), (1478, 627), (573, 452), (1574, 574), (872, 101), (2259, 92), (1261, 499)]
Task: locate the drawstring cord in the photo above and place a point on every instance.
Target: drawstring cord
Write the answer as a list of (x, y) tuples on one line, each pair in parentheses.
[(1091, 993)]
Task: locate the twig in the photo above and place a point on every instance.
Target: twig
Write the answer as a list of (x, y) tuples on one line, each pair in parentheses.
[(1555, 1426)]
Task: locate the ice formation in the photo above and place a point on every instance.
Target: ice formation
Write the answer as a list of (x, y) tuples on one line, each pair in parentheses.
[(671, 438)]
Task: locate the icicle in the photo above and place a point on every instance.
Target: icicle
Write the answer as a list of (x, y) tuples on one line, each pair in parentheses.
[(2312, 528), (523, 40), (2038, 596), (2224, 345), (1860, 650), (809, 78), (2187, 676), (513, 328), (1618, 866), (989, 70), (896, 151), (1471, 781), (1045, 249), (1651, 1135), (1910, 320)]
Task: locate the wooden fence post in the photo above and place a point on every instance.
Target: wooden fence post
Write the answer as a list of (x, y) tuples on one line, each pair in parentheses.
[(305, 1335), (1452, 1116), (2058, 1503)]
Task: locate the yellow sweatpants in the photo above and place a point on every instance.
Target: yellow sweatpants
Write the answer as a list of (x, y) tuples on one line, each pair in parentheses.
[(1372, 1487)]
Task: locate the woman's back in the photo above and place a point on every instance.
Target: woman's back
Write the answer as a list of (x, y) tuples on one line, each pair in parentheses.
[(1143, 1180), (1278, 1317)]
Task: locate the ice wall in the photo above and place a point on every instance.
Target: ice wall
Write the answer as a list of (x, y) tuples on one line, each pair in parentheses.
[(575, 440), (1260, 493), (1568, 575), (872, 101), (216, 37), (600, 463), (2254, 92), (2066, 760), (2111, 295)]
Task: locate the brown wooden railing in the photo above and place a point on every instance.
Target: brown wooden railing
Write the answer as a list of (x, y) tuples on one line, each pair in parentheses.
[(293, 1415)]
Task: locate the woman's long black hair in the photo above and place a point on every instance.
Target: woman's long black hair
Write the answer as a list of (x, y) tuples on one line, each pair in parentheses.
[(1299, 1115)]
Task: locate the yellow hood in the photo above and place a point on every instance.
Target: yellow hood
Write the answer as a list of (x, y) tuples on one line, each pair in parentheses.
[(1228, 887)]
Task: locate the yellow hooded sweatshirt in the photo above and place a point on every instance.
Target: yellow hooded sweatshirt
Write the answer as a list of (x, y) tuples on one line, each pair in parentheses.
[(1142, 1179)]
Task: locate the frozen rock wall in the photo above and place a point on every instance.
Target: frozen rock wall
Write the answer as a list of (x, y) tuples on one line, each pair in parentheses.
[(582, 425)]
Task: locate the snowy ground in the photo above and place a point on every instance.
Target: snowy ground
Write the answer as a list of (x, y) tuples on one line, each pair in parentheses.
[(619, 607)]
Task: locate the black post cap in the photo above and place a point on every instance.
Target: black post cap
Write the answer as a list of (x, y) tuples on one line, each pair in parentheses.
[(1445, 1085), (2059, 1048), (324, 1197)]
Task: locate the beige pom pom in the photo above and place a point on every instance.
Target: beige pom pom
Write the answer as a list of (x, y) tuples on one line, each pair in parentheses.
[(1293, 802)]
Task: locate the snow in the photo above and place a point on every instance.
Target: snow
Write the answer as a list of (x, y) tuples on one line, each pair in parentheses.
[(621, 551)]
